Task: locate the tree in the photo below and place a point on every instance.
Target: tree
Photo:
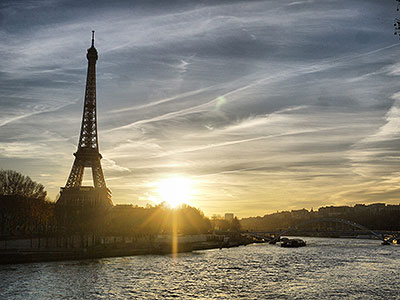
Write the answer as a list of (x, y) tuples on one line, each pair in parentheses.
[(23, 205), (14, 183)]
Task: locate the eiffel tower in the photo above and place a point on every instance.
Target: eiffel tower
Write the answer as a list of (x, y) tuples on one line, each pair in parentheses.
[(74, 195)]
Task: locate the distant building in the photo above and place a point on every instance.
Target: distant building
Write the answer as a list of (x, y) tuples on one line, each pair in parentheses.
[(229, 216), (123, 206), (332, 211), (376, 208), (359, 207), (299, 213), (391, 207)]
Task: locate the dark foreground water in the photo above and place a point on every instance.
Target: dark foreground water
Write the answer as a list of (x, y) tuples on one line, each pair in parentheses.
[(325, 269)]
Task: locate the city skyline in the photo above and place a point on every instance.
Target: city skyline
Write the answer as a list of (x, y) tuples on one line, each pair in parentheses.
[(258, 106)]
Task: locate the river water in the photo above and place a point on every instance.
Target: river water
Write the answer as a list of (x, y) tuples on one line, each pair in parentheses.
[(325, 269)]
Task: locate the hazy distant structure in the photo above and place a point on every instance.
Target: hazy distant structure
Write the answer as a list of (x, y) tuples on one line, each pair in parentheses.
[(229, 216), (88, 155)]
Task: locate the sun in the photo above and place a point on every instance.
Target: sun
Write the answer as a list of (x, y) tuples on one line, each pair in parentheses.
[(175, 191)]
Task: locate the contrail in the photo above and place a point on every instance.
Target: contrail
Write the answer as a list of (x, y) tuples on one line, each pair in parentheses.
[(165, 100), (284, 75), (209, 146), (11, 120)]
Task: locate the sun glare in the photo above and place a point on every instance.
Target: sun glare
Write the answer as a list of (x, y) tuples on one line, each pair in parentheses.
[(174, 191)]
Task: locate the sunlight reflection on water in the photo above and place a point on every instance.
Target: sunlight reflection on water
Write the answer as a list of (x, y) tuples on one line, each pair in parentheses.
[(325, 269)]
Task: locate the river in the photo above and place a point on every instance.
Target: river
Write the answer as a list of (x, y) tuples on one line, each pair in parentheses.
[(325, 269)]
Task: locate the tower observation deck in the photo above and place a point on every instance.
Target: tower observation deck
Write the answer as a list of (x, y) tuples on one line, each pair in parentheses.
[(87, 154)]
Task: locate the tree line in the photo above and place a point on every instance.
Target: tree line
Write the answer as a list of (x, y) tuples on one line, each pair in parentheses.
[(26, 210), (24, 207)]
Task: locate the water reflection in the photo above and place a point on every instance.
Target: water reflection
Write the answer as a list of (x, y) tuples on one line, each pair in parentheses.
[(325, 269)]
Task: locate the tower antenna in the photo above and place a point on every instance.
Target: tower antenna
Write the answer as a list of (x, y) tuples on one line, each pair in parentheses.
[(92, 38)]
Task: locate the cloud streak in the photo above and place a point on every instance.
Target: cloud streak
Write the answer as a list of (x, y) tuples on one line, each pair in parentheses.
[(264, 105)]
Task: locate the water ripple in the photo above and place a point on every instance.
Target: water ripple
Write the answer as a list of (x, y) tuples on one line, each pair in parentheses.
[(325, 269)]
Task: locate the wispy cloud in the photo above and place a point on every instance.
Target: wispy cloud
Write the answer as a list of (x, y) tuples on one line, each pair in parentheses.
[(266, 105)]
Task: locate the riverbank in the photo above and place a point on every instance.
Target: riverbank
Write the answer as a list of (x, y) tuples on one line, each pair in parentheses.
[(79, 247)]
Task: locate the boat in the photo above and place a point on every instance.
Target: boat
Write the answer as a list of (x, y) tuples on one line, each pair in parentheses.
[(293, 243), (391, 240)]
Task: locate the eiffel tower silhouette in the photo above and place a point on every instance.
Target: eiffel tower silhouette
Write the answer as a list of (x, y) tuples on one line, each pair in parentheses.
[(87, 155)]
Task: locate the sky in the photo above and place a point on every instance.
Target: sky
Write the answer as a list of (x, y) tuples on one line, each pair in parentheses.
[(259, 106)]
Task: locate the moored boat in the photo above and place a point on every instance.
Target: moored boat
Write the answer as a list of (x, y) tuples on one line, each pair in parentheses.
[(293, 243)]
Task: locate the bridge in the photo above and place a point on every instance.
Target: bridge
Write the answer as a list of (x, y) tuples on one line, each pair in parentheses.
[(318, 221)]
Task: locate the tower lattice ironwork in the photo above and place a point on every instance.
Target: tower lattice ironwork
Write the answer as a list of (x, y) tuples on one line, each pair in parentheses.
[(87, 155)]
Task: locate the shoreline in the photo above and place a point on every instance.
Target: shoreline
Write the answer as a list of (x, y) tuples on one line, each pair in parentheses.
[(159, 246)]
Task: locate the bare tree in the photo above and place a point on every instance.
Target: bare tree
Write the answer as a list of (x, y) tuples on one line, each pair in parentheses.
[(14, 183)]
